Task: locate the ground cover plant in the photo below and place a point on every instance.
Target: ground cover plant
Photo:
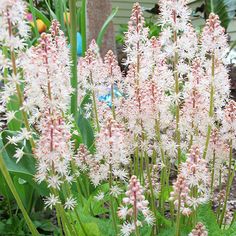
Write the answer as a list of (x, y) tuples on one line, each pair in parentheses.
[(101, 152)]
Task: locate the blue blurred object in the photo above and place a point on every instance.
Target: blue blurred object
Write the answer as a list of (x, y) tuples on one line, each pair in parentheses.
[(107, 98), (79, 44)]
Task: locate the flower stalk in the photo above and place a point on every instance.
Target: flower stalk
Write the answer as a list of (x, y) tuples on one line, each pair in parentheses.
[(229, 183), (73, 38)]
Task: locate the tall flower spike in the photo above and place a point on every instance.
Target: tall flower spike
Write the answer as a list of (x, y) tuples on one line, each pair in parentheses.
[(194, 112), (112, 146), (112, 68), (47, 73), (192, 186), (134, 203), (89, 69), (180, 195), (177, 33), (229, 121), (12, 14), (112, 78), (13, 35), (53, 150), (175, 13), (214, 39), (197, 176), (137, 36)]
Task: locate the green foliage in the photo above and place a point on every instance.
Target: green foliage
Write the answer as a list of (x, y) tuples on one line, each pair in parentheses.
[(41, 16), (13, 105), (207, 217), (95, 226), (231, 231), (84, 124), (25, 168), (59, 10), (12, 223)]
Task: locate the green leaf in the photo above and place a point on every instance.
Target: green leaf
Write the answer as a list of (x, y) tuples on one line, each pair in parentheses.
[(13, 105), (53, 15), (231, 231), (207, 217), (91, 230), (104, 27), (42, 17), (25, 168), (46, 225), (97, 207), (86, 130), (101, 226), (167, 232), (59, 12)]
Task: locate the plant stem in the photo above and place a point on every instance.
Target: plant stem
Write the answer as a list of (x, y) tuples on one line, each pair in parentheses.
[(136, 159), (80, 222), (113, 214), (177, 116), (10, 183), (67, 192), (177, 233), (151, 187), (211, 109), (59, 221), (95, 111), (21, 99), (83, 26), (229, 183), (73, 42), (18, 89), (62, 214), (112, 102), (164, 168), (213, 171), (77, 184), (135, 215)]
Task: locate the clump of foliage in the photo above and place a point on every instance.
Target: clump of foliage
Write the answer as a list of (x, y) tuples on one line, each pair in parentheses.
[(146, 153)]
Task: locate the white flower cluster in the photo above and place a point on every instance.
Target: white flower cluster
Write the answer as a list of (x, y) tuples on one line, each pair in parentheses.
[(47, 74)]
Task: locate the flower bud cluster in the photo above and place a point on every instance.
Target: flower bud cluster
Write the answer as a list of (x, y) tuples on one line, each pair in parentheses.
[(214, 39), (112, 152), (83, 159), (136, 39), (192, 186), (135, 202), (199, 230), (53, 150)]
